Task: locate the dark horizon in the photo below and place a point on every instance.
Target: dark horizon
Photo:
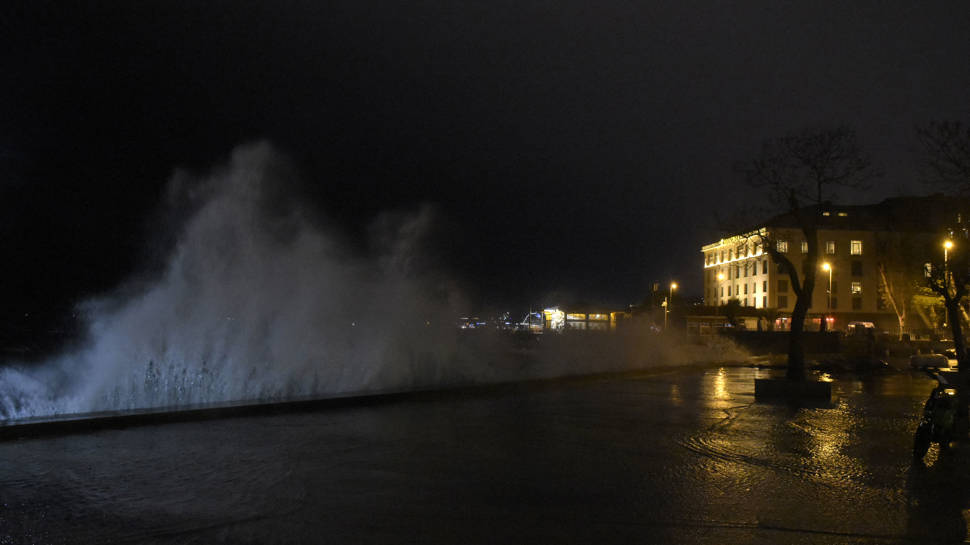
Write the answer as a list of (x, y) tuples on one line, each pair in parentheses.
[(572, 154)]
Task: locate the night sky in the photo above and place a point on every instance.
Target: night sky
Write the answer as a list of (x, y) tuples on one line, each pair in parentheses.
[(574, 151)]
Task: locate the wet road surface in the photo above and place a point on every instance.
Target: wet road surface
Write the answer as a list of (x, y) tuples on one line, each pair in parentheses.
[(675, 456)]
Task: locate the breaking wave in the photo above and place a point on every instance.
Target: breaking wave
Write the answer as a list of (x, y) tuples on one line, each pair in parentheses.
[(257, 301)]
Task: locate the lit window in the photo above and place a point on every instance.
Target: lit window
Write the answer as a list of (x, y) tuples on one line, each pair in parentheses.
[(826, 213), (804, 247), (783, 246), (856, 288), (830, 247), (843, 214), (855, 247), (927, 270)]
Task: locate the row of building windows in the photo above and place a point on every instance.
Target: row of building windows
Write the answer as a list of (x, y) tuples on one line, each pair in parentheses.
[(856, 303), (748, 269), (855, 288), (745, 250), (729, 255), (855, 247), (854, 266), (744, 287)]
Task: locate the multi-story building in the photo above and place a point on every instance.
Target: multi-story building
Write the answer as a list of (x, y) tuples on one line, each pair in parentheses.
[(852, 241)]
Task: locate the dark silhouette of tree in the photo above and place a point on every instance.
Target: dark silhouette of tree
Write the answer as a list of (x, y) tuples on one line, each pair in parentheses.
[(946, 162), (946, 157), (731, 310), (799, 173)]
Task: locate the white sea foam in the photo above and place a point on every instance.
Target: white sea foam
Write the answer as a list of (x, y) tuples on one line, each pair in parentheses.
[(258, 302)]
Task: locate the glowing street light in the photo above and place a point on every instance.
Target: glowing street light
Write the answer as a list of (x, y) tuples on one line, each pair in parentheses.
[(947, 246)]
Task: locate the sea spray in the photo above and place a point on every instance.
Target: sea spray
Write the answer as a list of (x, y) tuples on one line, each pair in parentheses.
[(258, 302)]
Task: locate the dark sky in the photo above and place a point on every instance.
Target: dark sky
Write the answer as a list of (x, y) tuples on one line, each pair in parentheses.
[(573, 148)]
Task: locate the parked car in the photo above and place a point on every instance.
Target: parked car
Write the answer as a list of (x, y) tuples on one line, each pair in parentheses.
[(929, 361)]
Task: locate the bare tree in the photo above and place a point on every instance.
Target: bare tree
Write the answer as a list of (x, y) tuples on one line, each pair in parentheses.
[(946, 157), (799, 173), (946, 161), (901, 276)]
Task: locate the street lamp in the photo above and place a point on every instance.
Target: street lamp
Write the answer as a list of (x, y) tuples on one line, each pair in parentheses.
[(828, 268), (670, 297), (947, 246)]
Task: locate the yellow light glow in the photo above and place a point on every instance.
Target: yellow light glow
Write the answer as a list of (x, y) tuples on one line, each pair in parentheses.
[(720, 276), (673, 285), (826, 266), (948, 244)]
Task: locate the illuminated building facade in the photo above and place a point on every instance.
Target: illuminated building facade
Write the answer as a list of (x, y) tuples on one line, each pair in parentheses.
[(851, 241)]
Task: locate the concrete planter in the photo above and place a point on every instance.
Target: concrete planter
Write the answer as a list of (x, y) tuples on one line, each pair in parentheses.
[(782, 388)]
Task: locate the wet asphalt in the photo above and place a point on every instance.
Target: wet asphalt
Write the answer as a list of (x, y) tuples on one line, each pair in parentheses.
[(667, 456)]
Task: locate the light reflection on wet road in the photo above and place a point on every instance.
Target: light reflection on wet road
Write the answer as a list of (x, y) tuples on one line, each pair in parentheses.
[(681, 456)]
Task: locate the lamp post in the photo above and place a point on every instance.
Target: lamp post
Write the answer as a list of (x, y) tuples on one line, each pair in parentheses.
[(828, 267), (670, 297), (947, 246)]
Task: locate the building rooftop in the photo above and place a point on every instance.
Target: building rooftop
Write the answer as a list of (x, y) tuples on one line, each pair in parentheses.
[(910, 214)]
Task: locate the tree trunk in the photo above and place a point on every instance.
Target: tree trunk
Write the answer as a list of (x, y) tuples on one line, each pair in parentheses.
[(963, 384), (796, 347)]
